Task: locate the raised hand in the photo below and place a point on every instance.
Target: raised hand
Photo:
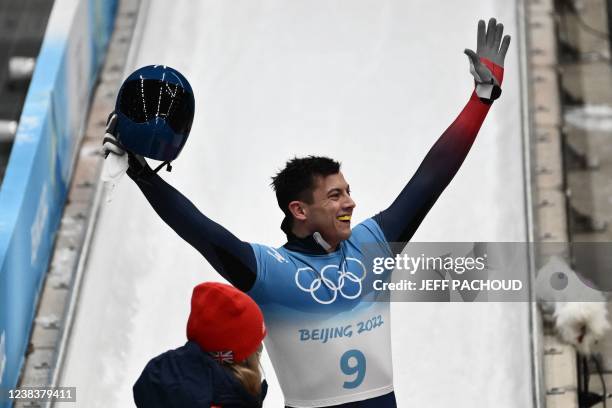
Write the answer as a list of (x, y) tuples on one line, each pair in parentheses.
[(110, 144), (491, 45)]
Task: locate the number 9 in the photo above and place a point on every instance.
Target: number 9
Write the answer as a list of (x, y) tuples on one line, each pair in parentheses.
[(359, 367)]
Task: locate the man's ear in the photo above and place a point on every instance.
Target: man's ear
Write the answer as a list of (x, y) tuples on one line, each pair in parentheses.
[(296, 208)]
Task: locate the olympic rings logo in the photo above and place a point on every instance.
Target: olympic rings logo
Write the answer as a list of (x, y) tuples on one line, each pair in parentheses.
[(338, 287)]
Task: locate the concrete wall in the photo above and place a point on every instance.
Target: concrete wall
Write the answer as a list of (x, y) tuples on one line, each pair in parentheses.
[(33, 193)]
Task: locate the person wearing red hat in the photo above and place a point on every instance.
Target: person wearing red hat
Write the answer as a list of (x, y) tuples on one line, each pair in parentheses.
[(219, 365)]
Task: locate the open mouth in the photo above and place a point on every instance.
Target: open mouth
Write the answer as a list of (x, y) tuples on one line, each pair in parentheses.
[(344, 218)]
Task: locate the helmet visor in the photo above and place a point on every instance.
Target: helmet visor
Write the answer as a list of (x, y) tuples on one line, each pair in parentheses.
[(146, 99)]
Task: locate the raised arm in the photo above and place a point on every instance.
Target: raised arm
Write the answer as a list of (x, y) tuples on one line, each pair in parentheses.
[(232, 258), (402, 218)]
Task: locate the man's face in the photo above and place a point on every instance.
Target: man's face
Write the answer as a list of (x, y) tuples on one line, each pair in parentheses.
[(331, 208)]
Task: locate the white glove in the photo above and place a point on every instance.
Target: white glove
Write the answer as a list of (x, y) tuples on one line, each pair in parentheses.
[(116, 159), (110, 144)]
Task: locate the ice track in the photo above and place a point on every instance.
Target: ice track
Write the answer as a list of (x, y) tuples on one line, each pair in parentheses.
[(370, 83)]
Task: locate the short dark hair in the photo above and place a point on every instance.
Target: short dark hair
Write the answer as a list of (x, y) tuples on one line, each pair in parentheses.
[(296, 181)]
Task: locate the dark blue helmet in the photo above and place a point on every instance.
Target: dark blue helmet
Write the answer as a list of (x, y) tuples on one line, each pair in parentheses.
[(155, 108)]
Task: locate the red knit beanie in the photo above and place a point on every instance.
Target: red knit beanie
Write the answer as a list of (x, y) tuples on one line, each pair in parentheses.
[(225, 321)]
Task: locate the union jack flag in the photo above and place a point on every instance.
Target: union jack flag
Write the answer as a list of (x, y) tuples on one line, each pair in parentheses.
[(223, 356)]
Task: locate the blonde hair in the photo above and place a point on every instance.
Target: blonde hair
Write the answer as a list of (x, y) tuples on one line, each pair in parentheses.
[(248, 373)]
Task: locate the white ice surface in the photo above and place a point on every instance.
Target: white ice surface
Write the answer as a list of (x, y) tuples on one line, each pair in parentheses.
[(372, 83)]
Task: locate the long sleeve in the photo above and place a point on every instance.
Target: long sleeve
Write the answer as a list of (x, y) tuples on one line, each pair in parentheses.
[(232, 258), (400, 221)]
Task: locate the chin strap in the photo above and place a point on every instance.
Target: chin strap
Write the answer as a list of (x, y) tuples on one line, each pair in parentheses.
[(317, 237), (167, 164)]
